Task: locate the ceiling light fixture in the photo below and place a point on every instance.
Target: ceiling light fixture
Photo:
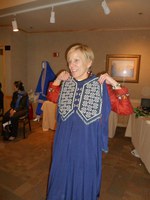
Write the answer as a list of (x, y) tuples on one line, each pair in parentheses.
[(52, 17), (41, 7), (105, 7), (14, 25)]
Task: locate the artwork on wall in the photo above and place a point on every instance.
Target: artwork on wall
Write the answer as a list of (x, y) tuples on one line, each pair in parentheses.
[(123, 68)]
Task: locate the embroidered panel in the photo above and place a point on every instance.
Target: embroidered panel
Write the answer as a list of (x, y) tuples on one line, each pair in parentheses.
[(86, 101), (90, 105), (66, 99)]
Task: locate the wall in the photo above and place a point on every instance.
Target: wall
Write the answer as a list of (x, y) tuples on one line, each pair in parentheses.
[(19, 56), (15, 59), (42, 46), (23, 62)]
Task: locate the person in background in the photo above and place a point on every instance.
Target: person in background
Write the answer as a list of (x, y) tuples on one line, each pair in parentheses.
[(1, 100), (19, 107), (84, 104), (46, 76)]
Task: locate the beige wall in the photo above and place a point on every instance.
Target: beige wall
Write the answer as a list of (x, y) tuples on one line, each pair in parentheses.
[(42, 46), (29, 50), (15, 60), (19, 57)]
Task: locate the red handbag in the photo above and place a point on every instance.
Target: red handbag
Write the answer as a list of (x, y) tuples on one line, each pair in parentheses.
[(53, 92)]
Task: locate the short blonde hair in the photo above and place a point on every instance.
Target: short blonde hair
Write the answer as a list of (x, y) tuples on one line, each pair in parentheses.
[(87, 51)]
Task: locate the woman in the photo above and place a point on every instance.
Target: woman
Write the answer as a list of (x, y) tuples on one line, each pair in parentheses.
[(18, 107), (1, 100), (82, 126)]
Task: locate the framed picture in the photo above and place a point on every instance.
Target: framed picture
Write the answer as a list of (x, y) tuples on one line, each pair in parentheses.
[(123, 68)]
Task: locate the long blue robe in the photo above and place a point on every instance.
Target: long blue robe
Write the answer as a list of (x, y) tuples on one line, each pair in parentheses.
[(81, 136), (47, 75)]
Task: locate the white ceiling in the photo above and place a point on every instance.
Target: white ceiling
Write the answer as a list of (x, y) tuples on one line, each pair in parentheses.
[(75, 15)]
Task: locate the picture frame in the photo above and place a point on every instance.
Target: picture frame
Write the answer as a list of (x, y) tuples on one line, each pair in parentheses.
[(123, 67)]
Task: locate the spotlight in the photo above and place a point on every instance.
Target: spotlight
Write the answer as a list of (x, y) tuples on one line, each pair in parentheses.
[(52, 17), (105, 7), (14, 25)]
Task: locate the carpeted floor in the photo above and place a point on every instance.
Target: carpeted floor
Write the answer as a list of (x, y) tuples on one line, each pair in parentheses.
[(24, 168)]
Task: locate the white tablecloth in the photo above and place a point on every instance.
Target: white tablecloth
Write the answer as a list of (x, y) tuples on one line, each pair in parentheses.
[(113, 120), (139, 131)]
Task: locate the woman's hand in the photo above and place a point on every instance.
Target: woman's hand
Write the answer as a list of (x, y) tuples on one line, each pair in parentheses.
[(12, 112), (63, 76), (109, 80)]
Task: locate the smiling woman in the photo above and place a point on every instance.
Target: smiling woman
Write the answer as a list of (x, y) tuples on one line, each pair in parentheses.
[(82, 126), (80, 61)]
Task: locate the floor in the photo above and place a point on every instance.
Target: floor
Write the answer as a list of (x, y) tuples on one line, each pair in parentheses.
[(24, 168)]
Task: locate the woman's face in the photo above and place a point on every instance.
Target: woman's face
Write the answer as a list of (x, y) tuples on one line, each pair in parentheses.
[(78, 65), (15, 88)]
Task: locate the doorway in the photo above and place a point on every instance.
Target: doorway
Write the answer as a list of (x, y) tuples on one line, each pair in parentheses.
[(2, 71)]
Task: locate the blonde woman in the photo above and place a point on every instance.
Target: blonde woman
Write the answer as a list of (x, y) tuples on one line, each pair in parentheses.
[(84, 104)]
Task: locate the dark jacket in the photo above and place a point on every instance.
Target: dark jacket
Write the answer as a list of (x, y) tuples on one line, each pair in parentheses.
[(23, 103), (1, 101)]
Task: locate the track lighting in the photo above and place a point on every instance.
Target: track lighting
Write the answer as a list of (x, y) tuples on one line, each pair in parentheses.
[(105, 7), (52, 17), (14, 25)]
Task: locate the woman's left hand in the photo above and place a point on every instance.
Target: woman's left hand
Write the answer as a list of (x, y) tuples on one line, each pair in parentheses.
[(12, 112), (109, 80)]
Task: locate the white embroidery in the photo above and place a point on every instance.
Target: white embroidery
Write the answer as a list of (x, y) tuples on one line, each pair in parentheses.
[(90, 105), (66, 99), (85, 101)]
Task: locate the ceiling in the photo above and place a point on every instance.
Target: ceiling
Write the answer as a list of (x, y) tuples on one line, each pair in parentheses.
[(75, 15)]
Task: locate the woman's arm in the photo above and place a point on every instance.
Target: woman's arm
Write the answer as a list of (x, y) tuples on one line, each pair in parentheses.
[(119, 96), (24, 103), (119, 99), (14, 99), (54, 87), (63, 76)]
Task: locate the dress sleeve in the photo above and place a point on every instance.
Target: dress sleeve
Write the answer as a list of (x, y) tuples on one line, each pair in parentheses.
[(104, 121), (120, 102), (53, 92)]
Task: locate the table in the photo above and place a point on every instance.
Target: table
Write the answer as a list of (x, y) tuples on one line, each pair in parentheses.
[(113, 120), (49, 115), (139, 131)]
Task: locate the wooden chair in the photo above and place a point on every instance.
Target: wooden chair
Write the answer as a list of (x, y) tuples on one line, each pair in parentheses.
[(1, 118), (24, 120)]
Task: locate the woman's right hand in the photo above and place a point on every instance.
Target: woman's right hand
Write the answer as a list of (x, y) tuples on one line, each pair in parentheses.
[(63, 76)]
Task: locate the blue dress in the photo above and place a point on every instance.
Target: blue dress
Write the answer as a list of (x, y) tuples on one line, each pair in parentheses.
[(81, 136), (47, 75)]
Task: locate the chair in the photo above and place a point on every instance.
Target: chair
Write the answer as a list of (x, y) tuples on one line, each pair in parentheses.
[(25, 120), (1, 117)]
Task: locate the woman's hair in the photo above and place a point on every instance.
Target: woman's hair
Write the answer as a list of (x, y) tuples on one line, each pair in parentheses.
[(0, 85), (19, 85), (87, 51)]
